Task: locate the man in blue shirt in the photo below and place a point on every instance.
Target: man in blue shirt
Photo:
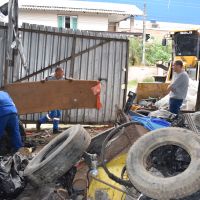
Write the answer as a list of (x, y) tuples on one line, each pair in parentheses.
[(9, 120)]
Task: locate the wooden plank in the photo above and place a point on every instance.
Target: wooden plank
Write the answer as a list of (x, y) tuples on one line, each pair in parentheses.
[(34, 97), (146, 90)]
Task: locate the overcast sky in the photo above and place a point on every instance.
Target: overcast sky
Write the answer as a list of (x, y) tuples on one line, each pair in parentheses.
[(181, 11)]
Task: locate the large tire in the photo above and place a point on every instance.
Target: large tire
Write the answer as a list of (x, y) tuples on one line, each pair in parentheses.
[(182, 185), (57, 157)]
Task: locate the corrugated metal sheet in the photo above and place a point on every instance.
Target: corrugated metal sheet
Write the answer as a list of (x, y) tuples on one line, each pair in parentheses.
[(87, 55), (81, 6)]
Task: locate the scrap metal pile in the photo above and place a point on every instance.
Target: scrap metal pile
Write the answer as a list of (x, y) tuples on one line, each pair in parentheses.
[(161, 162)]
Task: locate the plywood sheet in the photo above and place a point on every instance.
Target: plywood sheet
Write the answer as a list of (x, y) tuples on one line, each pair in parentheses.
[(146, 90), (36, 97)]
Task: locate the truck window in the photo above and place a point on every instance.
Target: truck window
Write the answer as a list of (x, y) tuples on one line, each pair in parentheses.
[(186, 43)]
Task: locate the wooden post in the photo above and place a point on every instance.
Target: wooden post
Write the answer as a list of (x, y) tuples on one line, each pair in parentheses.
[(73, 56)]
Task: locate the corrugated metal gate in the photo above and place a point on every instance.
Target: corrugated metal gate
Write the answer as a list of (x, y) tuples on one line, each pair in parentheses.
[(83, 55)]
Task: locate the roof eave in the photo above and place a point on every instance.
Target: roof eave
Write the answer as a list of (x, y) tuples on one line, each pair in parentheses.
[(81, 10)]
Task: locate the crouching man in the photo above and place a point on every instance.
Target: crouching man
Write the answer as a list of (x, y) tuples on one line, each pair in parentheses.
[(9, 120)]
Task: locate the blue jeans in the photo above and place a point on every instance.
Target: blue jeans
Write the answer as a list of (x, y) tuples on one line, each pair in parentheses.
[(175, 105), (53, 115), (11, 123)]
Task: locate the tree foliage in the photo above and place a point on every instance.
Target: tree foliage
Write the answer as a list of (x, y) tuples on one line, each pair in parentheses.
[(154, 52), (135, 51)]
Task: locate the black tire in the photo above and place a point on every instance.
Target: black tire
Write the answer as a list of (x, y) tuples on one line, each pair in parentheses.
[(57, 157), (182, 185)]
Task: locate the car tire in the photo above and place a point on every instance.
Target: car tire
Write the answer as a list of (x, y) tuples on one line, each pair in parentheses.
[(58, 156), (179, 186)]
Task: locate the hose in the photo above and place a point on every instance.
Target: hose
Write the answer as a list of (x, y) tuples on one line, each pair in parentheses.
[(125, 183)]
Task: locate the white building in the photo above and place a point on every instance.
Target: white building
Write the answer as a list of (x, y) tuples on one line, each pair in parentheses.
[(154, 27), (81, 15)]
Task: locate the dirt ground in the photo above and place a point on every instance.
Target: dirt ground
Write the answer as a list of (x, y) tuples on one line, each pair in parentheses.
[(40, 139), (139, 73)]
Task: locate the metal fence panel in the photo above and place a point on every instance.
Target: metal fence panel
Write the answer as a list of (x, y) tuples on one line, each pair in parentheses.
[(84, 55)]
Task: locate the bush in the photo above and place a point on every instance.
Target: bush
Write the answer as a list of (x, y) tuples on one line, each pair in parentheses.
[(148, 80)]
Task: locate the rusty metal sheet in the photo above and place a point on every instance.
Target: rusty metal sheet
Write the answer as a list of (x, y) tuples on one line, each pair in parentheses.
[(34, 97)]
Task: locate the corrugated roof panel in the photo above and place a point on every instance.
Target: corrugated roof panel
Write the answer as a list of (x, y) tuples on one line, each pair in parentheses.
[(81, 6)]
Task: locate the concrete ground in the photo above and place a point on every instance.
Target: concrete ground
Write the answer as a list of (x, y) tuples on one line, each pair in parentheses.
[(140, 74)]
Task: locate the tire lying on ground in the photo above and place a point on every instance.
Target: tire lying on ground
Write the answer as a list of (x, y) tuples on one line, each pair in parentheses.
[(181, 185), (57, 157)]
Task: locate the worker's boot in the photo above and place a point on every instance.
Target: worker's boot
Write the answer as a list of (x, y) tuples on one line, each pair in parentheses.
[(38, 124), (56, 131)]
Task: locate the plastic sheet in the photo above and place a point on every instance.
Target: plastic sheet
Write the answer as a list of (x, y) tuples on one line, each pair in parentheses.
[(151, 123)]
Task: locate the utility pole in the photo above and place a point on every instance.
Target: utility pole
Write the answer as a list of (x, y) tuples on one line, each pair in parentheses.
[(144, 34)]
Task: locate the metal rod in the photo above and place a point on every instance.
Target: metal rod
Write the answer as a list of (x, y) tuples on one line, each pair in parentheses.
[(60, 62), (144, 34)]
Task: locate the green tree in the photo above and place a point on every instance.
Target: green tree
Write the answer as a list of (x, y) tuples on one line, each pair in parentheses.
[(156, 52), (135, 51)]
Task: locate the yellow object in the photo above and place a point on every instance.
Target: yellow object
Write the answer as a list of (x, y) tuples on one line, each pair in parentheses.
[(188, 61), (135, 107), (115, 166)]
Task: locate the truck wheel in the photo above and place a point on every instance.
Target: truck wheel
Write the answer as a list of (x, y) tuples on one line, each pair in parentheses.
[(165, 188), (57, 157)]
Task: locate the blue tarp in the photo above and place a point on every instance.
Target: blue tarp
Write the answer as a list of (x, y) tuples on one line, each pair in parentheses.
[(151, 123)]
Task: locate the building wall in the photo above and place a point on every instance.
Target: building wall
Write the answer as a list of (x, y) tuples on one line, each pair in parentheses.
[(38, 17), (48, 18), (92, 22)]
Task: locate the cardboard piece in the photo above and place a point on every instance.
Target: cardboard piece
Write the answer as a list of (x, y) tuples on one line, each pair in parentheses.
[(146, 90), (34, 97)]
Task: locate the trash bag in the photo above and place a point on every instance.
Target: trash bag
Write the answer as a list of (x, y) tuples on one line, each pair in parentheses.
[(12, 182)]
